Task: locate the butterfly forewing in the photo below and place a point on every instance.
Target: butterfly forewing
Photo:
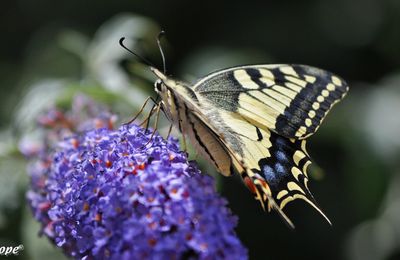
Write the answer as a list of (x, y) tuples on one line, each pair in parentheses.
[(290, 100), (208, 144)]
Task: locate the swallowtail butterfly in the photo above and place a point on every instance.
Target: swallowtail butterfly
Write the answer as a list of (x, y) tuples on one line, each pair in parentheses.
[(254, 120)]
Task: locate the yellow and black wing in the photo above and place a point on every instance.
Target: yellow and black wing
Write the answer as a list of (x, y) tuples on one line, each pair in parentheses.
[(273, 167), (290, 100)]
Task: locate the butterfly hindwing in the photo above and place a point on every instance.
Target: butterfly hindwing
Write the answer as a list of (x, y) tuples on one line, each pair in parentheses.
[(273, 167), (285, 171), (290, 100)]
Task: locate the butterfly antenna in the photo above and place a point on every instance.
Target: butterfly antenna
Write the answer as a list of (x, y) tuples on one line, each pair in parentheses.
[(161, 34), (144, 60)]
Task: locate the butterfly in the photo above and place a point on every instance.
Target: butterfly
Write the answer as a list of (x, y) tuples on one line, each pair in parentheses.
[(254, 120)]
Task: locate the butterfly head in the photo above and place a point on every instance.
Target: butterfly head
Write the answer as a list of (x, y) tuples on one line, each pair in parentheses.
[(163, 83), (158, 85)]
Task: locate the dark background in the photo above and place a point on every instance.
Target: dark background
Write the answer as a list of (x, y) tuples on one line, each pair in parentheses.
[(355, 152)]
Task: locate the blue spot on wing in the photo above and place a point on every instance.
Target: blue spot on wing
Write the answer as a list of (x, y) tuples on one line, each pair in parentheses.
[(281, 142), (279, 168), (281, 156), (273, 175), (276, 169), (268, 173)]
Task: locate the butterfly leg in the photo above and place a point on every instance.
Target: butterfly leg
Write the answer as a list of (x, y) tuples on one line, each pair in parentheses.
[(147, 119), (169, 131), (184, 143), (155, 125), (141, 109)]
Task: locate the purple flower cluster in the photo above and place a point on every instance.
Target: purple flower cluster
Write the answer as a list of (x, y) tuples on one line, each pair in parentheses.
[(109, 194)]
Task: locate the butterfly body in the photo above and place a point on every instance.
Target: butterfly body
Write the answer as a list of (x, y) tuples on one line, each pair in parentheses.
[(182, 108), (254, 120)]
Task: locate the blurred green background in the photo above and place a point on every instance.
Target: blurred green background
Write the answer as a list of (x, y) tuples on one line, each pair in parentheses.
[(50, 50)]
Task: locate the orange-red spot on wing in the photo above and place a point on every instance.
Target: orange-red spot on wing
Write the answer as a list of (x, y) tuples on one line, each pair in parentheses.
[(249, 183)]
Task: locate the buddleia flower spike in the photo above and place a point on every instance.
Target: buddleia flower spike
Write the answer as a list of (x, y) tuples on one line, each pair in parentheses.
[(100, 195)]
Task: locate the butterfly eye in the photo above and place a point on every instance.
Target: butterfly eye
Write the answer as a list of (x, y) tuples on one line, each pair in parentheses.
[(158, 85)]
